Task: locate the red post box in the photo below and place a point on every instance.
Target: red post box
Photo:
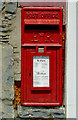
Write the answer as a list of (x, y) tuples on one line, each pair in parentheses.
[(41, 56)]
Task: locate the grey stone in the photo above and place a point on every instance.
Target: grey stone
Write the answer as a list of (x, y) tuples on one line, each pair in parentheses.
[(36, 113), (7, 111), (8, 94), (15, 114), (7, 73), (0, 36), (5, 37), (0, 109), (6, 23), (0, 20), (9, 16), (17, 66), (40, 112), (2, 5), (0, 71), (5, 29), (4, 40), (8, 102), (17, 77), (7, 62), (58, 115), (11, 7)]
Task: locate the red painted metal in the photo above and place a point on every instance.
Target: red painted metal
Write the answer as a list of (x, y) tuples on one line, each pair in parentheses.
[(41, 27)]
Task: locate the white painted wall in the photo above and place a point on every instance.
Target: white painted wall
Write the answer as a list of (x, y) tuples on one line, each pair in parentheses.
[(71, 62)]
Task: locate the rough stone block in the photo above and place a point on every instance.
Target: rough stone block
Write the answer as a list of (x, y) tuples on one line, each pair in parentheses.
[(2, 5), (40, 112), (8, 102), (5, 29), (7, 111), (9, 16), (0, 19), (0, 108), (7, 60), (17, 56), (6, 23), (16, 115), (0, 71), (11, 7), (58, 115), (17, 77), (17, 66), (8, 94), (5, 37), (15, 36), (17, 48), (7, 73)]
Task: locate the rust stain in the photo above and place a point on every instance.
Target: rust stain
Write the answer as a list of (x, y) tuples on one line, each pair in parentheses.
[(17, 100)]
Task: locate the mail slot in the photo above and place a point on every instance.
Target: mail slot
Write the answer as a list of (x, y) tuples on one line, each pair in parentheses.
[(41, 56)]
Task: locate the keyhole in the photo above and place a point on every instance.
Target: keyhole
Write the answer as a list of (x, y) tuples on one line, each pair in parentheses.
[(29, 74)]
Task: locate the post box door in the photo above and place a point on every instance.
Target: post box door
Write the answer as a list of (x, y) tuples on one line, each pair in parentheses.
[(41, 82)]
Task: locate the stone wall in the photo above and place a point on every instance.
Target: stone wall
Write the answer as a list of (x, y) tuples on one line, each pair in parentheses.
[(8, 42), (10, 62)]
